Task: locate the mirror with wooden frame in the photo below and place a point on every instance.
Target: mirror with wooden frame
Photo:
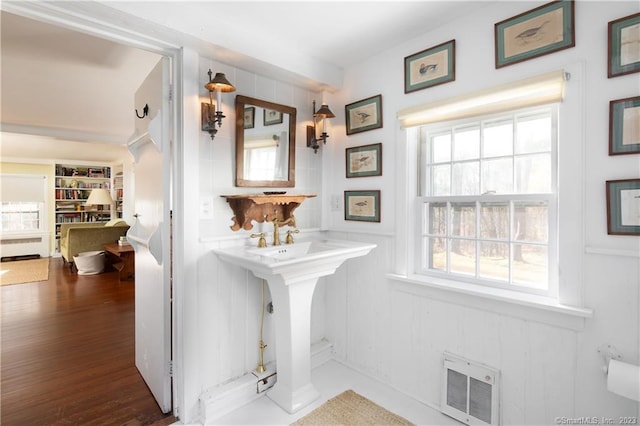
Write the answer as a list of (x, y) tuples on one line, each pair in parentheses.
[(265, 143)]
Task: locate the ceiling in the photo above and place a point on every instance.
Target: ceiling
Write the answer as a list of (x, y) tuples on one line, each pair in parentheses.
[(69, 85), (339, 33), (63, 85)]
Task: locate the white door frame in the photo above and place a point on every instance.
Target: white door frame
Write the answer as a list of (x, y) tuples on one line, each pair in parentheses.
[(98, 20)]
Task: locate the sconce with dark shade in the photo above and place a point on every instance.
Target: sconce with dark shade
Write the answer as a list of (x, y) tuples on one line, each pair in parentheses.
[(211, 117), (323, 113)]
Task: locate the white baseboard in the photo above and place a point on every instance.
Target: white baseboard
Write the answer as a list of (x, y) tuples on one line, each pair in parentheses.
[(221, 400)]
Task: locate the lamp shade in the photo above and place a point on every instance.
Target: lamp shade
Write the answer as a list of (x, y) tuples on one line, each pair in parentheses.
[(99, 196), (219, 83), (324, 112)]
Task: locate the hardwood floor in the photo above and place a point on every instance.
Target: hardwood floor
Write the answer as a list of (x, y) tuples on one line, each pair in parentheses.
[(68, 353)]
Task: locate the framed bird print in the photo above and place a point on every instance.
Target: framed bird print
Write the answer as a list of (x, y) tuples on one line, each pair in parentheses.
[(364, 115), (364, 161), (430, 67), (540, 31), (623, 207), (271, 117), (624, 46), (624, 126), (362, 206), (249, 117)]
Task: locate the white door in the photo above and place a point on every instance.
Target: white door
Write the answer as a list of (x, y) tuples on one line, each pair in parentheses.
[(150, 232)]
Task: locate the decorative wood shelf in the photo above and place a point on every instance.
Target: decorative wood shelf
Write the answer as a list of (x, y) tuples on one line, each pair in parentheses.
[(262, 208)]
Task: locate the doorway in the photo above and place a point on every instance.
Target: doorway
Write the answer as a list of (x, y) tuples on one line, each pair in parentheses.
[(83, 23)]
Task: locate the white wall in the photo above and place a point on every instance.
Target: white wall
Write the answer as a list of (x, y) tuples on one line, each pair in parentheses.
[(396, 332), (217, 161), (228, 301), (392, 331)]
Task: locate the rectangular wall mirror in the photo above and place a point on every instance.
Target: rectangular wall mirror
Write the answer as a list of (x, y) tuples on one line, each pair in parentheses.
[(265, 143)]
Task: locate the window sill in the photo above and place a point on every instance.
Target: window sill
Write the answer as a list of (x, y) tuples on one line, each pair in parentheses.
[(511, 303)]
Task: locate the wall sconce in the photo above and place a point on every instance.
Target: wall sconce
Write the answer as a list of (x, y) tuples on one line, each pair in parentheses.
[(210, 116), (323, 113)]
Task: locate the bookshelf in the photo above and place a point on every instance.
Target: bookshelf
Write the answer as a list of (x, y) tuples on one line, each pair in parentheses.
[(73, 184), (118, 194)]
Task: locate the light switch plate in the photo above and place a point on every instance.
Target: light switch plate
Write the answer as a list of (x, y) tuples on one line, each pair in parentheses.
[(206, 208), (336, 203)]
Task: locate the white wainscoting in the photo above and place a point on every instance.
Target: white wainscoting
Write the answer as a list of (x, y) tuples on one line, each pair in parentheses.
[(399, 337)]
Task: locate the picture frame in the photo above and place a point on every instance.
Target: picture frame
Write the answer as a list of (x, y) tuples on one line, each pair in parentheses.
[(249, 117), (623, 207), (363, 161), (364, 115), (430, 67), (271, 117), (623, 41), (362, 206), (546, 29), (624, 126)]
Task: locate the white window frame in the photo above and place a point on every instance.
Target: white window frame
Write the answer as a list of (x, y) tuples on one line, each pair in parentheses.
[(567, 309), (40, 211), (421, 252), (27, 188)]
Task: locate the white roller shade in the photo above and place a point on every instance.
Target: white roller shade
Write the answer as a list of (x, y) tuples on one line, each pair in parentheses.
[(23, 188), (539, 90)]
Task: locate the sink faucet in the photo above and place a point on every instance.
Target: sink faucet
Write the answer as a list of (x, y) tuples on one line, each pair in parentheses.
[(276, 226)]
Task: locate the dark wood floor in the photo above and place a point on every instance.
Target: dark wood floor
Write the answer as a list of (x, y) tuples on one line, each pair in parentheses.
[(68, 353)]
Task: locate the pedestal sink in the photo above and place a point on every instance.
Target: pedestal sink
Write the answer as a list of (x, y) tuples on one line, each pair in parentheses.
[(292, 272)]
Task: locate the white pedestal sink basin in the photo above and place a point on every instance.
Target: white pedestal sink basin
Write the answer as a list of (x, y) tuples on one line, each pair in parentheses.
[(292, 272)]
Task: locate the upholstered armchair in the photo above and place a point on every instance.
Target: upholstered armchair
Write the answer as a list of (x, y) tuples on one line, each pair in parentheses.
[(81, 237)]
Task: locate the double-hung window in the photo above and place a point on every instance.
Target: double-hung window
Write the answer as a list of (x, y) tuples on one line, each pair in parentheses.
[(23, 206), (487, 189), (488, 199), (21, 216)]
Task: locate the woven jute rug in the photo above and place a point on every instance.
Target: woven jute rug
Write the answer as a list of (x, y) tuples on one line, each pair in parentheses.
[(350, 408), (24, 271)]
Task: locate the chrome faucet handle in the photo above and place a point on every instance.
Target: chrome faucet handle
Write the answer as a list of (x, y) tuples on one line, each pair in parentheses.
[(290, 233), (261, 242)]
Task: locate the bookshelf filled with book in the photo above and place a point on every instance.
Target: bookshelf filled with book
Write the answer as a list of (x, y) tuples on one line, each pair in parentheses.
[(118, 192), (73, 184)]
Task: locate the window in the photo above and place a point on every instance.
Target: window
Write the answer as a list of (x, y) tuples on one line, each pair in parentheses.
[(21, 216), (259, 163), (263, 155), (488, 197), (555, 216), (23, 204)]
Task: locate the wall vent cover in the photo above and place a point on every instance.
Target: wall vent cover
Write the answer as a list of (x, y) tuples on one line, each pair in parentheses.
[(470, 391)]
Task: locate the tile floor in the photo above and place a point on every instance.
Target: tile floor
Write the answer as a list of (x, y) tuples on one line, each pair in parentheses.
[(331, 379)]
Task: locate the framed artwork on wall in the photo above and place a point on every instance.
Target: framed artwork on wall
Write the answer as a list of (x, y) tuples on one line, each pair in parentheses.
[(430, 67), (623, 207), (624, 46), (537, 32), (362, 206), (272, 117), (624, 126), (249, 117), (364, 115), (362, 161)]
